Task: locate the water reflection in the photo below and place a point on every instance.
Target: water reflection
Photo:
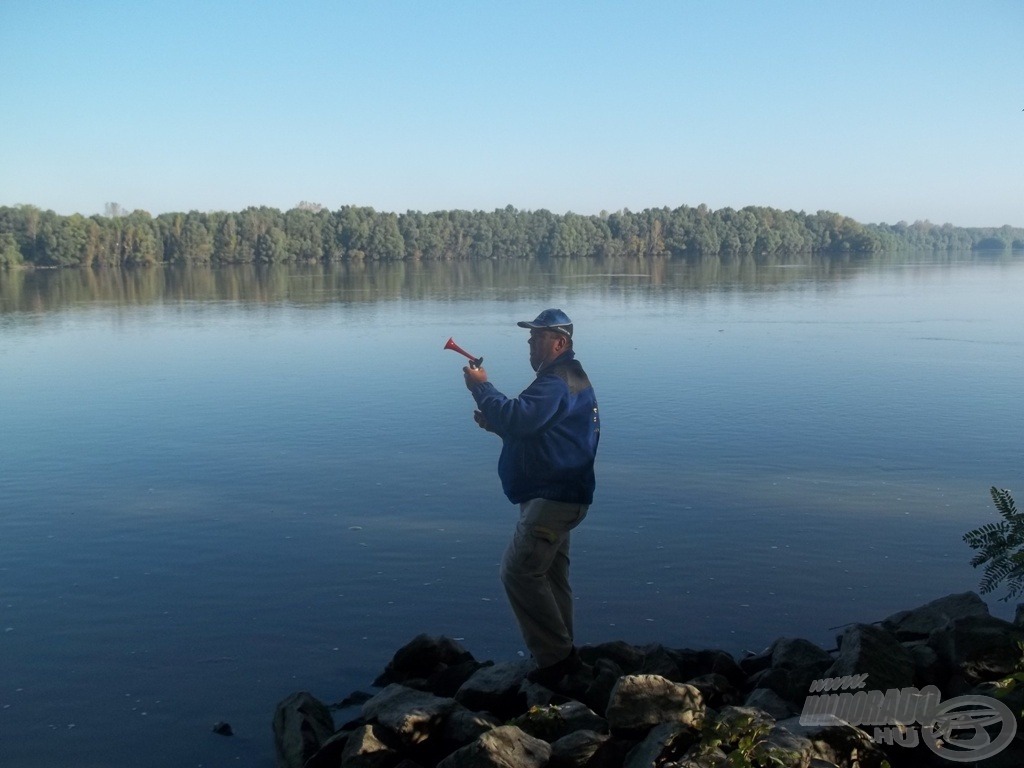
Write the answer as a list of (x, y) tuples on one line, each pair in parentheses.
[(43, 290)]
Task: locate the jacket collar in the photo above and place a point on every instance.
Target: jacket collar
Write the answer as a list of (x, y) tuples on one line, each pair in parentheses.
[(565, 357)]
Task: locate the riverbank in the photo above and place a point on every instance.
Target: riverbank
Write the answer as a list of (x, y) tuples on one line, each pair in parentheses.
[(915, 689)]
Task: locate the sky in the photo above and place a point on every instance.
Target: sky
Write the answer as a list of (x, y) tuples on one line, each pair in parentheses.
[(882, 111)]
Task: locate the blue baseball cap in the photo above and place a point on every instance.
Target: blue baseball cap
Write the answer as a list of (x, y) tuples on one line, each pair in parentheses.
[(550, 320)]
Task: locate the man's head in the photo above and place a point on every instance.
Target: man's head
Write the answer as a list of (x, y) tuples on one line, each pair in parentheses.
[(550, 336)]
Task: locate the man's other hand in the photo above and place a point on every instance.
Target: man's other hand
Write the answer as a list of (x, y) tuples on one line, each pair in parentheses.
[(481, 421)]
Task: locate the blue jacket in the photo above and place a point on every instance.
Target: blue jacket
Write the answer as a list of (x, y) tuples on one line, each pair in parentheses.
[(549, 434)]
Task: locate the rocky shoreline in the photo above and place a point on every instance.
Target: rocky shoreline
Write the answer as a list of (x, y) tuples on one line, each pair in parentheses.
[(884, 696)]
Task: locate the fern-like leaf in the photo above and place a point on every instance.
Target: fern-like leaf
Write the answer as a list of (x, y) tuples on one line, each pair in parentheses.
[(1004, 503), (1001, 547)]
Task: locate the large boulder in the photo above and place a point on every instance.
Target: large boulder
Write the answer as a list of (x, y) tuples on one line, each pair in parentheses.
[(301, 725), (463, 726), (554, 721), (794, 751), (496, 689), (797, 653), (795, 664), (918, 623), (370, 747), (329, 754), (868, 650), (842, 745), (606, 674), (929, 669), (659, 660), (504, 747), (588, 749), (681, 665), (415, 716), (710, 661), (663, 745), (640, 702), (754, 663), (716, 689), (979, 648), (422, 659), (767, 700), (626, 657)]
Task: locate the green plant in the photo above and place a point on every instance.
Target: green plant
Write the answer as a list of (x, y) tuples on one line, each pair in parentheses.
[(1008, 684), (744, 739), (1001, 547)]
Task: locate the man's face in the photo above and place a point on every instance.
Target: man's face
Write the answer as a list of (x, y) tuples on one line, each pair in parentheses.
[(545, 346)]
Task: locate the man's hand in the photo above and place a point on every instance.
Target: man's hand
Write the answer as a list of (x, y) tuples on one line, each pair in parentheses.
[(481, 421), (474, 376)]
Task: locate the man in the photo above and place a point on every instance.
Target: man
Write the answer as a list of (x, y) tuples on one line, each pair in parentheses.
[(549, 439)]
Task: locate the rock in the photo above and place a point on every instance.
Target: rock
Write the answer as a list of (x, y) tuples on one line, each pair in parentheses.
[(841, 745), (503, 747), (367, 747), (797, 751), (664, 743), (929, 669), (659, 660), (639, 702), (354, 699), (554, 721), (715, 758), (412, 714), (626, 657), (918, 623), (709, 662), (223, 729), (795, 664), (329, 754), (741, 719), (422, 658), (753, 663), (496, 689), (463, 726), (980, 648), (606, 674), (301, 725), (797, 653), (588, 749), (448, 680), (872, 651), (536, 695), (767, 700), (716, 690)]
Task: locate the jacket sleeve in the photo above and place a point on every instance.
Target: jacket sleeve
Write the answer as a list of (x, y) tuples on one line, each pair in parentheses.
[(541, 403)]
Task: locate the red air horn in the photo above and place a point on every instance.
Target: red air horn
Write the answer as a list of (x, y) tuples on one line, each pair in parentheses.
[(474, 362)]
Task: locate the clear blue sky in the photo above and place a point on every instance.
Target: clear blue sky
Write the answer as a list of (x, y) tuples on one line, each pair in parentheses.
[(879, 110)]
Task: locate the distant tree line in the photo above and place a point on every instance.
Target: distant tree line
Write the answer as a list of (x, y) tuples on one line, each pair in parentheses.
[(311, 233)]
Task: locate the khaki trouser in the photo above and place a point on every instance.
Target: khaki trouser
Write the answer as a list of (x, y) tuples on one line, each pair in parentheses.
[(535, 572)]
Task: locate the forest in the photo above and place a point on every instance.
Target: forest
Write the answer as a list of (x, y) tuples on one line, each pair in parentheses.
[(309, 233)]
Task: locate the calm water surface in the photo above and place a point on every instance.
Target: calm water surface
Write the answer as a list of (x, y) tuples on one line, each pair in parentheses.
[(221, 486)]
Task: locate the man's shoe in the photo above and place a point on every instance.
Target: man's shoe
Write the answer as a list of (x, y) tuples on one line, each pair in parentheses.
[(550, 675)]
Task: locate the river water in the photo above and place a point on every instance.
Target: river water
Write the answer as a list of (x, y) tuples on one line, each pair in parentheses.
[(222, 486)]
